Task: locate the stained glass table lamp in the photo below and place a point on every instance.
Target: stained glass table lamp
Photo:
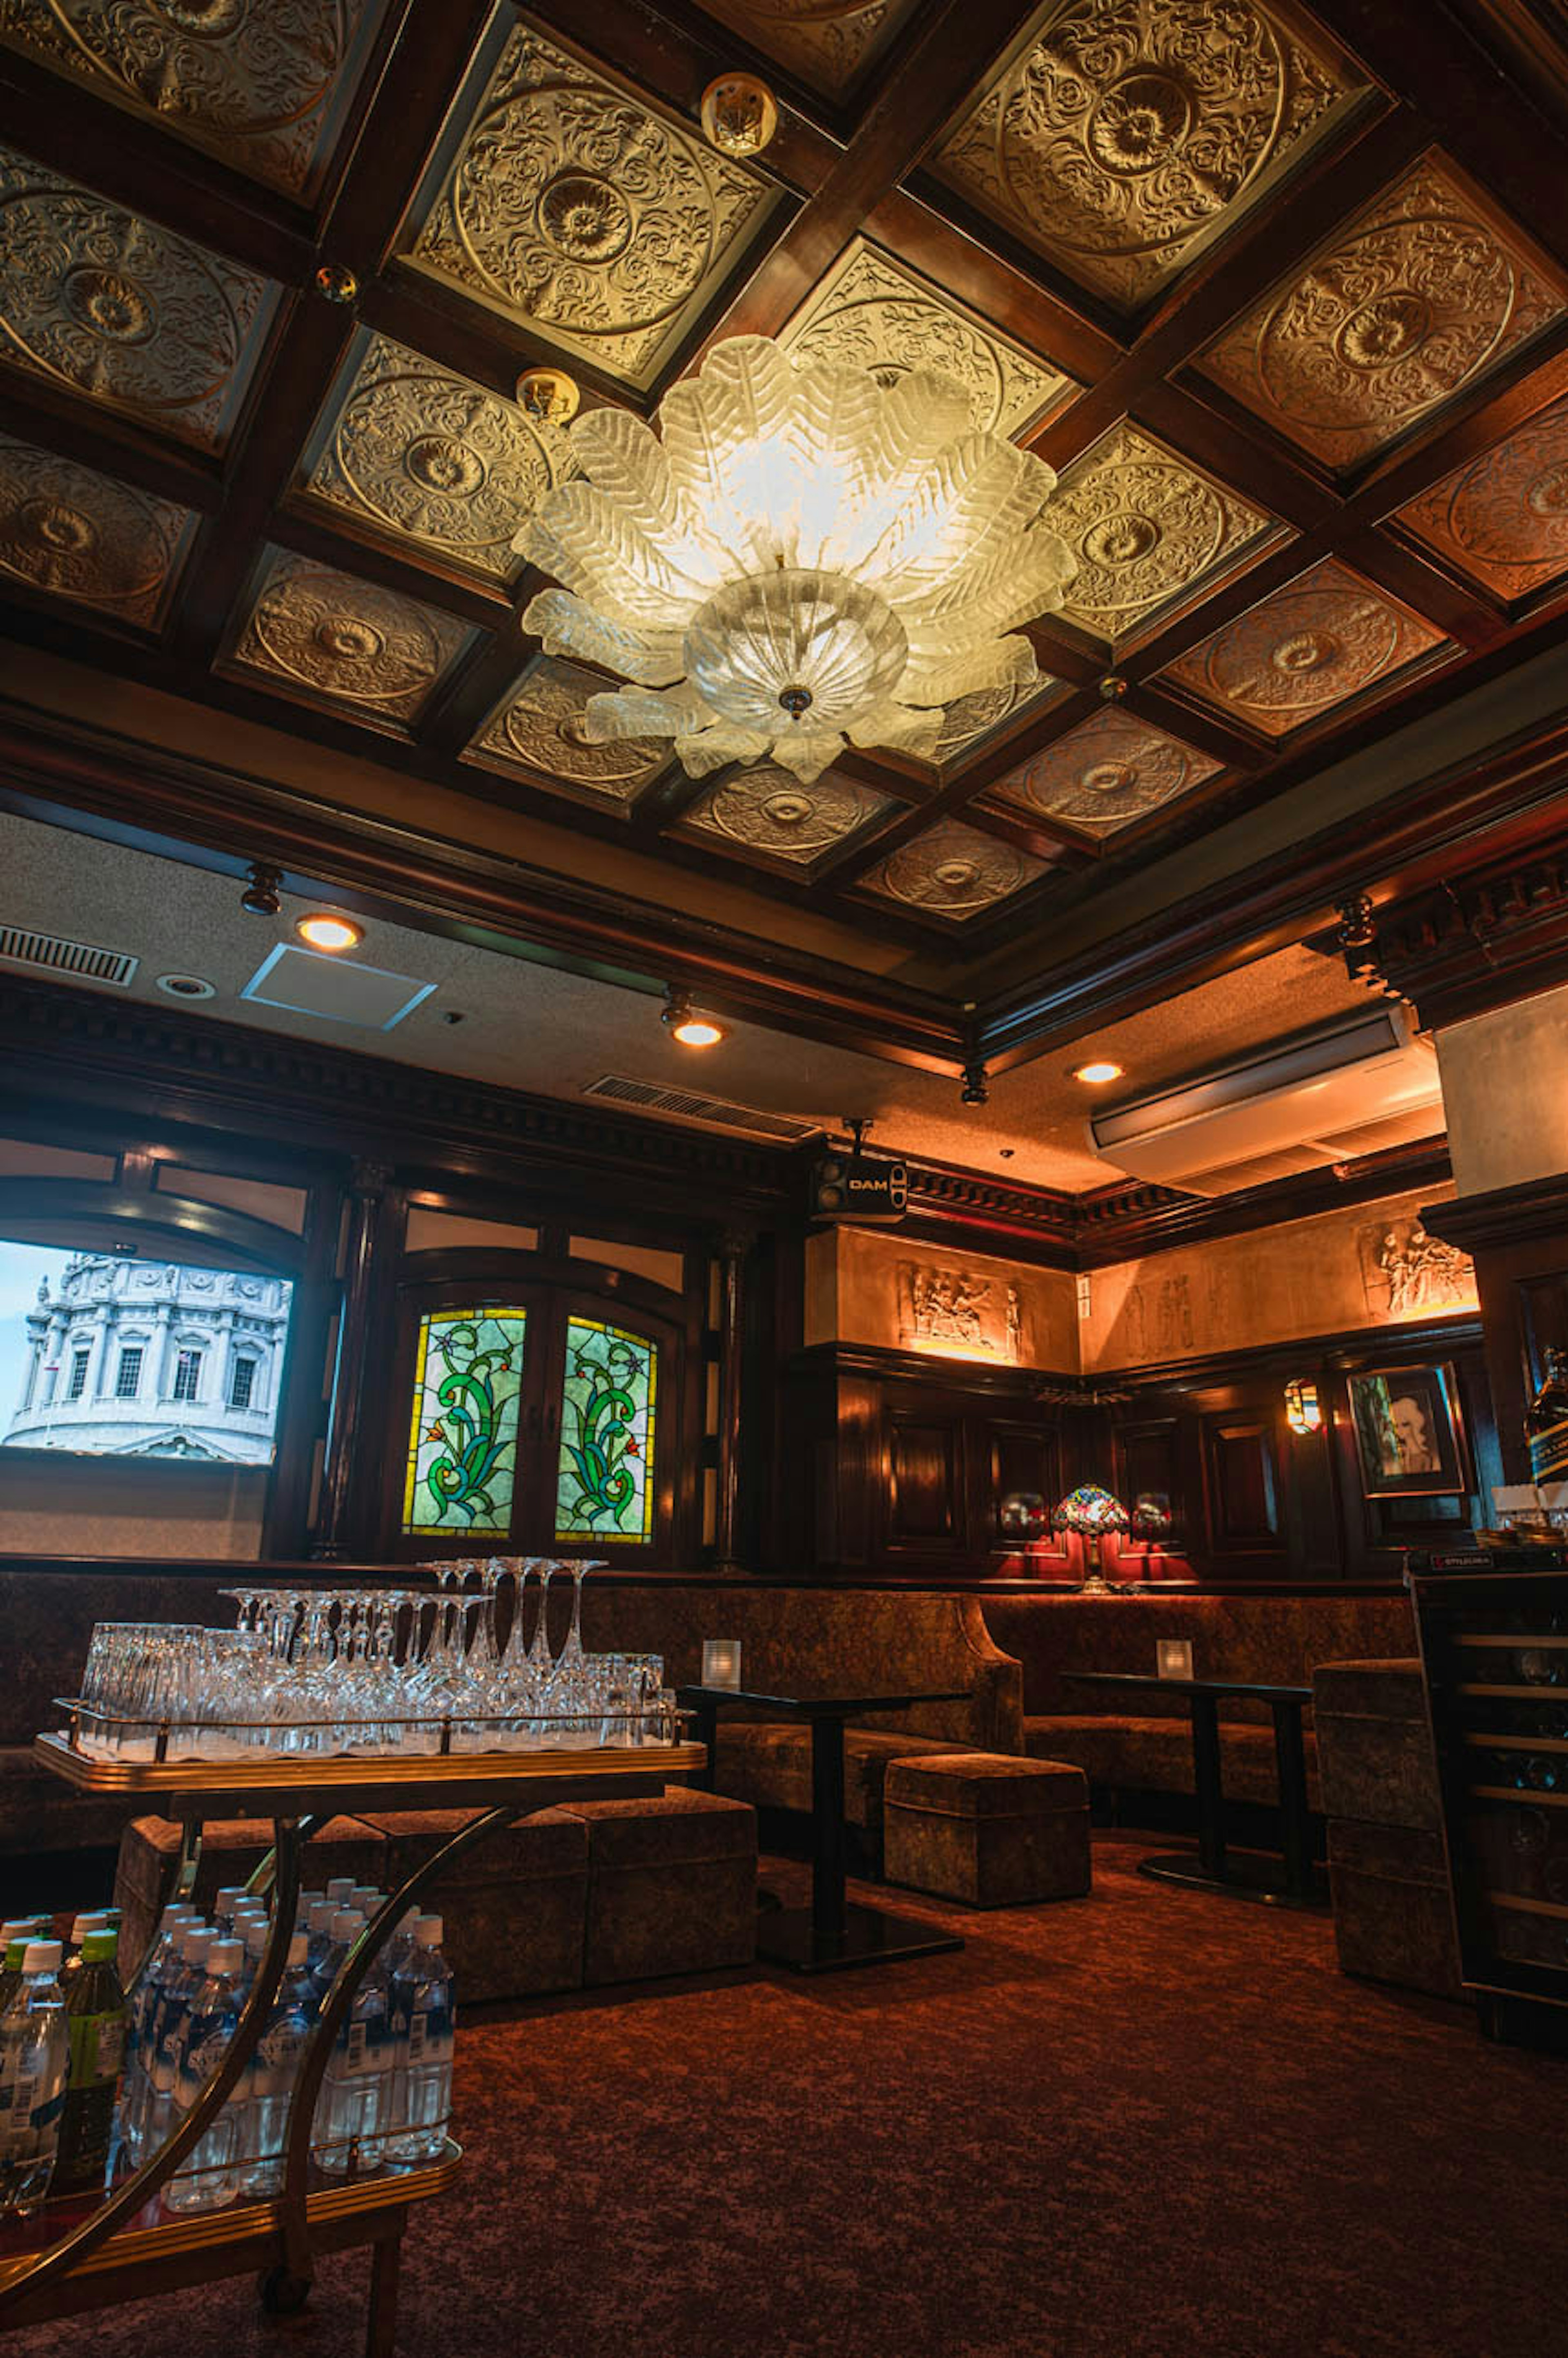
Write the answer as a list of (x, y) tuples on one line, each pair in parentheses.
[(1091, 1511)]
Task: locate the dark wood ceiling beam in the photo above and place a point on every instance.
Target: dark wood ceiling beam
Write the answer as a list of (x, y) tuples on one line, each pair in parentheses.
[(315, 533), (52, 417)]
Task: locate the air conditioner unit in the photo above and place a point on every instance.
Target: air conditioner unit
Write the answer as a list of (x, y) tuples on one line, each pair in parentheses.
[(1320, 1097)]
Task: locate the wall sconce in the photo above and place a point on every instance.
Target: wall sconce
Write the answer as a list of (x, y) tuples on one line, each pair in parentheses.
[(1303, 1411)]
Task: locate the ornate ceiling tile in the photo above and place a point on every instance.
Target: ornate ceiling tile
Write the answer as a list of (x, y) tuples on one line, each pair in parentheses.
[(264, 86), (1504, 518), (1145, 527), (766, 814), (972, 718), (870, 312), (75, 534), (1395, 316), (826, 42), (1326, 637), (434, 459), (330, 639), (1125, 135), (953, 872), (578, 212), (100, 301), (1105, 774), (537, 733)]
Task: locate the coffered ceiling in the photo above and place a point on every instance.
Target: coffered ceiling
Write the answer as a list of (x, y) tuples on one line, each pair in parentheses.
[(1281, 294)]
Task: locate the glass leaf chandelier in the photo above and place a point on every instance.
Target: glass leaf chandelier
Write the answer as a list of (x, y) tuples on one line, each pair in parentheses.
[(798, 557)]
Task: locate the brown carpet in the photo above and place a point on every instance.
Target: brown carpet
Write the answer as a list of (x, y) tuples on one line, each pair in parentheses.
[(1140, 2125)]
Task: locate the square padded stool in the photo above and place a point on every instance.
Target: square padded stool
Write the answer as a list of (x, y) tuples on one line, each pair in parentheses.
[(672, 1884), (986, 1828), (232, 1850), (511, 1909)]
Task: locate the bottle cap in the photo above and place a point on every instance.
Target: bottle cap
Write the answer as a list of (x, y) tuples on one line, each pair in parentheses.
[(194, 1944), (347, 1925), (427, 1931), (15, 1951), (101, 1946), (366, 1898), (321, 1916), (341, 1889), (299, 1949), (81, 1925), (179, 1912), (21, 1928), (42, 1957), (255, 1937), (225, 1956)]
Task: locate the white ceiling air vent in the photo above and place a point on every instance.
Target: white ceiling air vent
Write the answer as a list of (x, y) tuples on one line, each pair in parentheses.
[(1322, 1097), (653, 1097), (52, 954)]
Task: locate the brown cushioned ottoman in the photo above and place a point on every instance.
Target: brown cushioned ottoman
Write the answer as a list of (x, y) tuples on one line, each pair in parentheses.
[(511, 1909), (232, 1850), (672, 1884), (986, 1828)]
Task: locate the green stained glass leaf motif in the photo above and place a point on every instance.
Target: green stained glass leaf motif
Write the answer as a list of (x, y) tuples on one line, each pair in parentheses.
[(604, 1488), (462, 1440)]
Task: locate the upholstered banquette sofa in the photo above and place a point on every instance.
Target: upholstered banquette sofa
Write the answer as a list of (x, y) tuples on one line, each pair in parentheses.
[(1133, 1741)]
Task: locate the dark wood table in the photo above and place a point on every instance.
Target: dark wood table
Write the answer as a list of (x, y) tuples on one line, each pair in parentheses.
[(833, 1931), (1289, 1882)]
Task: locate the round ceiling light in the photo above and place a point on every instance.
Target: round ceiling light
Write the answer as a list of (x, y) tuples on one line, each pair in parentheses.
[(186, 985), (689, 1025), (1098, 1073), (323, 930)]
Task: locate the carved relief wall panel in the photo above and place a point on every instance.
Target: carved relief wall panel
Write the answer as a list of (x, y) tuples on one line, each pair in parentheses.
[(871, 312), (1126, 133), (883, 1289), (265, 88), (1393, 318), (581, 214), (411, 451), (1310, 647), (1503, 519), (953, 872), (120, 311), (346, 645), (1106, 774), (765, 815), (537, 733), (69, 532), (1368, 1266), (830, 43), (1144, 527)]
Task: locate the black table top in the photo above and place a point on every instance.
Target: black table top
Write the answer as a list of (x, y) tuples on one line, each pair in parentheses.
[(1257, 1688), (823, 1706)]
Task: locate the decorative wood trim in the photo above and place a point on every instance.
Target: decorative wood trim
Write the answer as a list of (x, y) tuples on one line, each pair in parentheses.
[(1476, 943), (1124, 1222), (1504, 1216)]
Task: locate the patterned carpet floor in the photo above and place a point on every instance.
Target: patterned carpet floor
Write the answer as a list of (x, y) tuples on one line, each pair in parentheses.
[(1145, 2124)]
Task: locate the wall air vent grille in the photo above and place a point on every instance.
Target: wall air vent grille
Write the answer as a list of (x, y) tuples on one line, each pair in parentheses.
[(52, 954), (685, 1105)]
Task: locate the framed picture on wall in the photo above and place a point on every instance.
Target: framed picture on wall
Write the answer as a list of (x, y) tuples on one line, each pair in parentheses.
[(1408, 1437)]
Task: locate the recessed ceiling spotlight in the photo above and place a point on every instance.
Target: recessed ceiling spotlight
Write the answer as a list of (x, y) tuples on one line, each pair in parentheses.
[(186, 985), (690, 1025), (323, 930), (1098, 1073)]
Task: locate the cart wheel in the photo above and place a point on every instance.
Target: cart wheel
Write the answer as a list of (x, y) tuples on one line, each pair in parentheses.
[(281, 2294)]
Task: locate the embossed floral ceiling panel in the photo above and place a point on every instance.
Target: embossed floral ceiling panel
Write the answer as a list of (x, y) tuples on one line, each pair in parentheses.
[(767, 815), (1106, 774), (431, 458), (266, 86), (953, 872), (71, 533), (1128, 134), (830, 43), (1146, 529), (1503, 519), (1390, 319), (870, 312), (974, 720), (330, 639), (537, 733), (1327, 637), (585, 217), (121, 311)]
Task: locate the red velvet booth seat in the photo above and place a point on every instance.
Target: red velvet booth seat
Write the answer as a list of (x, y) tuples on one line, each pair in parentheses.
[(1138, 1740)]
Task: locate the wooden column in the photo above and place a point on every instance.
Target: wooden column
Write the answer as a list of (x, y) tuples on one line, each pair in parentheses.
[(357, 1416), (733, 1247)]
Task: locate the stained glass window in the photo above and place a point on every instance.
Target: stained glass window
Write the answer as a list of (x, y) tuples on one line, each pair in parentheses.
[(462, 1441), (604, 1489)]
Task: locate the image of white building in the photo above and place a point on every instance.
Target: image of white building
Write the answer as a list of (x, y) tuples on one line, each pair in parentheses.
[(140, 1359)]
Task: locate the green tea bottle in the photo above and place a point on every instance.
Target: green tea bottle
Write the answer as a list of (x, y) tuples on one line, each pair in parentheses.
[(96, 2019)]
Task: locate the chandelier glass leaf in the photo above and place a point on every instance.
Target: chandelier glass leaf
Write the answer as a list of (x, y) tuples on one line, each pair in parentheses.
[(799, 558)]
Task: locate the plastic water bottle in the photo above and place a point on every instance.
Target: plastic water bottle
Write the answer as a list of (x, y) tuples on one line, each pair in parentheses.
[(351, 2116), (424, 2021), (279, 2054), (95, 2026), (142, 1993), (207, 2178), (320, 1929), (35, 2061), (14, 1939), (341, 1891), (167, 2041)]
